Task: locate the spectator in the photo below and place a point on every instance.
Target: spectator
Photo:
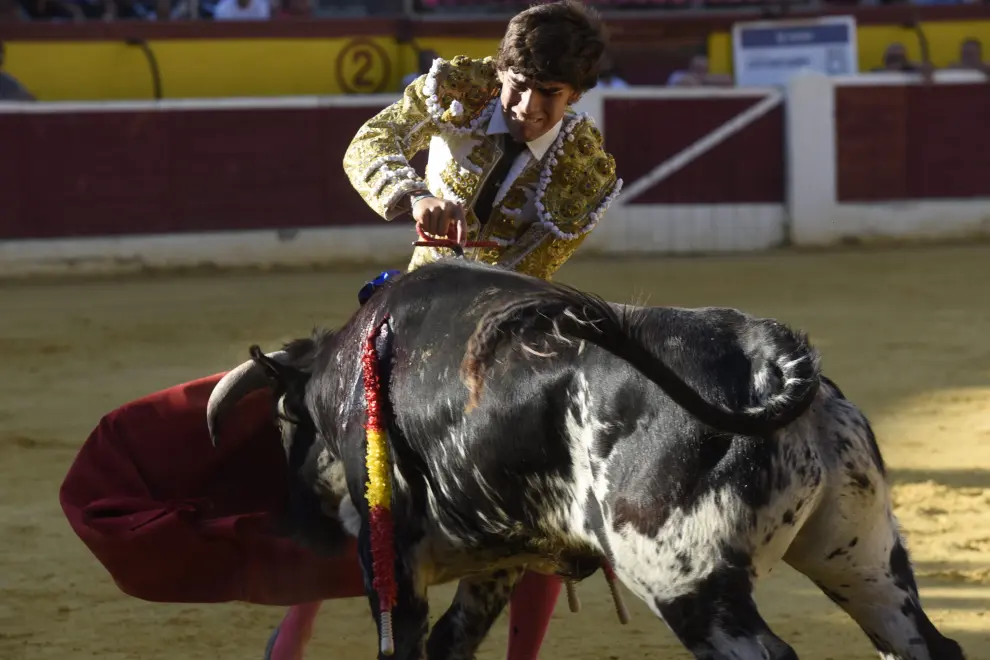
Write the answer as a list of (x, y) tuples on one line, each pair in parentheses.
[(971, 57), (92, 9), (10, 88), (47, 10), (243, 10), (135, 9), (895, 59), (610, 79), (294, 9), (697, 75), (11, 12), (424, 60)]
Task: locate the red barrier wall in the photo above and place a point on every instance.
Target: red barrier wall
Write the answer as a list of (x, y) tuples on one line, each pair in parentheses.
[(103, 173), (748, 167), (155, 172), (114, 173), (912, 142)]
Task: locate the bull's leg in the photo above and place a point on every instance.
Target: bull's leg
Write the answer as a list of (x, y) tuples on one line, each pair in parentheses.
[(411, 614), (718, 619), (695, 568), (871, 579), (701, 587), (478, 603), (851, 548)]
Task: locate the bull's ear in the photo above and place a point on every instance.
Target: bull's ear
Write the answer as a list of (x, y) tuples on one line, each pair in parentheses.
[(278, 373)]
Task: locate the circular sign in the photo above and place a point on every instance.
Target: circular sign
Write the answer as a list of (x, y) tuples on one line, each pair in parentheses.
[(363, 67)]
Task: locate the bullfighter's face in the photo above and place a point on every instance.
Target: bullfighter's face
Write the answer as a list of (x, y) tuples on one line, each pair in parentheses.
[(531, 108)]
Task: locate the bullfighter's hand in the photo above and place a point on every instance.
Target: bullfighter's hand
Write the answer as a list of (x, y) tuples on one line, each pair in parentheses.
[(435, 216)]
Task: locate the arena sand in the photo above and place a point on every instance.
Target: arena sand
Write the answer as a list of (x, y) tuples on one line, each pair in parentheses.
[(906, 333)]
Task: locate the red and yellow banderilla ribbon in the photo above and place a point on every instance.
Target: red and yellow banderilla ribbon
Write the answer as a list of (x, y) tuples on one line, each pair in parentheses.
[(378, 490)]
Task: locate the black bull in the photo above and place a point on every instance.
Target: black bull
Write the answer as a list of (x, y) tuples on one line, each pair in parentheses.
[(535, 426)]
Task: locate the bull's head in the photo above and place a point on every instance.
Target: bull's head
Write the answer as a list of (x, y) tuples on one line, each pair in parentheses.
[(271, 370), (311, 516)]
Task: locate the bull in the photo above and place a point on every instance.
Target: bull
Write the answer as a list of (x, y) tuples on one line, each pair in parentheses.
[(535, 426)]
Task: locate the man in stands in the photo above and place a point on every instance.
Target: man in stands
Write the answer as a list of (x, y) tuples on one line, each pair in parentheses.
[(697, 74), (10, 88), (242, 10), (11, 11), (971, 57), (895, 58), (610, 78), (509, 162)]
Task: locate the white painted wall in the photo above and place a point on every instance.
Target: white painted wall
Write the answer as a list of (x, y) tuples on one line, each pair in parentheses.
[(816, 216)]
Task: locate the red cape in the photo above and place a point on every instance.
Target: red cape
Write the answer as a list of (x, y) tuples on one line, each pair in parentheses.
[(174, 519)]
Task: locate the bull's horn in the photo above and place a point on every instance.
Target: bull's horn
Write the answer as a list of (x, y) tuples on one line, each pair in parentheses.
[(237, 384)]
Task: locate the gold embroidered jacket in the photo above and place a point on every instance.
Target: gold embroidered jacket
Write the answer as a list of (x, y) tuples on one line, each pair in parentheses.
[(543, 211)]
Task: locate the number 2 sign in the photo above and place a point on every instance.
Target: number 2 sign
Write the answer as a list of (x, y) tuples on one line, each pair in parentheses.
[(363, 67)]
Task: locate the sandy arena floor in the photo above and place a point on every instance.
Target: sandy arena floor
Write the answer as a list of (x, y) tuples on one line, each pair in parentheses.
[(905, 333)]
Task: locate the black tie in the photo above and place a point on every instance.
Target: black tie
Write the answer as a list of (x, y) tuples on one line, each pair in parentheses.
[(483, 205)]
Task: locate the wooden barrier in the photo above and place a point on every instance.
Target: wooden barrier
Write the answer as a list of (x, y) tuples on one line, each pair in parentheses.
[(240, 182)]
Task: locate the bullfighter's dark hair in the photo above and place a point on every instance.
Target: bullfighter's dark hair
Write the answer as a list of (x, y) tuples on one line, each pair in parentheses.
[(562, 41)]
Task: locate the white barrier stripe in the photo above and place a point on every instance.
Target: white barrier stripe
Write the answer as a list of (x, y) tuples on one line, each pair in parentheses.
[(693, 151), (234, 103), (333, 101), (900, 79), (649, 92)]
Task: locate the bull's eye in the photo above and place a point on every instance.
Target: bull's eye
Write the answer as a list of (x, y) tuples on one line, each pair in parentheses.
[(283, 414)]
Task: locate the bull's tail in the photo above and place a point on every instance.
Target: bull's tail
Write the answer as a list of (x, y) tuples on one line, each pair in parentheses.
[(790, 375), (570, 314)]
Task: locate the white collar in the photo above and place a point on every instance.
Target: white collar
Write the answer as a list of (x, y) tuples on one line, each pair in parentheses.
[(537, 147)]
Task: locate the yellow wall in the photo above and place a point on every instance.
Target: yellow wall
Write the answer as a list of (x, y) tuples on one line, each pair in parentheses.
[(196, 68), (944, 39)]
